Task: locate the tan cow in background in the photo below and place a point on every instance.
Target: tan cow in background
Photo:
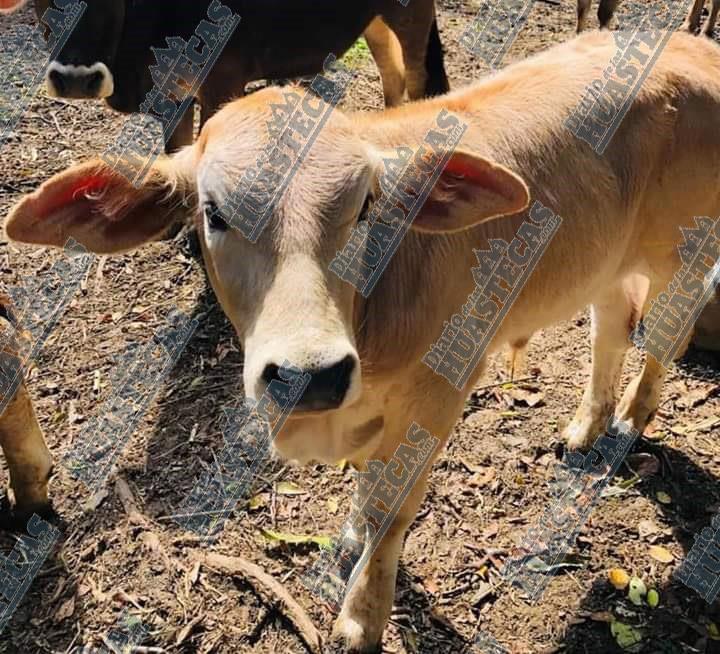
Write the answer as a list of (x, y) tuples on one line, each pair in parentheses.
[(21, 438), (621, 216)]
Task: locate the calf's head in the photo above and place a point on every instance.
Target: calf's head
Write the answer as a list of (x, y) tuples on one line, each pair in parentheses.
[(279, 292)]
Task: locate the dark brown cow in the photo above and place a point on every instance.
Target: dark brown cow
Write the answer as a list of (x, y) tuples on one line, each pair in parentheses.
[(108, 54)]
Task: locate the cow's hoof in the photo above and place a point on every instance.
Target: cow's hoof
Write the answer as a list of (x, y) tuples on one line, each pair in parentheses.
[(350, 637), (581, 434), (638, 405), (16, 518)]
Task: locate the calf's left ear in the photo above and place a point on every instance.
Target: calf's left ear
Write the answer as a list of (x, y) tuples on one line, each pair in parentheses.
[(469, 190)]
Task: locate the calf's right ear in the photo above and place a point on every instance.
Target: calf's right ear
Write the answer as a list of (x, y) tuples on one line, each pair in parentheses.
[(99, 208), (7, 6)]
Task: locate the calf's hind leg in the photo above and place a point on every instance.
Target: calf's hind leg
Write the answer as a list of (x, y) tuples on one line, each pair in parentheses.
[(641, 398), (612, 317), (26, 453)]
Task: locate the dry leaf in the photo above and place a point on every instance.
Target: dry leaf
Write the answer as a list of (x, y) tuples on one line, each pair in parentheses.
[(256, 502), (647, 527), (660, 554), (294, 539), (483, 477), (67, 608), (619, 578), (194, 573), (663, 497), (602, 616), (527, 396), (288, 488)]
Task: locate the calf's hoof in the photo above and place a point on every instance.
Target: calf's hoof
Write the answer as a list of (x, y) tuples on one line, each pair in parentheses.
[(351, 637), (16, 518), (581, 433), (638, 405)]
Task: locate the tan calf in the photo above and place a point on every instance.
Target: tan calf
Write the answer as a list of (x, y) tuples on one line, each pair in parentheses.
[(21, 438), (621, 213)]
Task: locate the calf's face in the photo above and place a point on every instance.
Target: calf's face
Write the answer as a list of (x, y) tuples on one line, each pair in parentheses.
[(283, 300), (279, 293)]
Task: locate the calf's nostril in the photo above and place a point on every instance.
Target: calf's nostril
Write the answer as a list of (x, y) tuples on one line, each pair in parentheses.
[(335, 380), (57, 81), (327, 387), (92, 83), (271, 373)]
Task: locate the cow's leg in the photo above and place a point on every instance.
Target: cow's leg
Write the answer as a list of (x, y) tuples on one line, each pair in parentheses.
[(21, 438), (583, 9), (641, 398), (606, 11), (692, 22), (367, 605), (416, 29), (612, 318), (184, 132), (712, 19), (27, 455), (437, 81), (387, 53), (215, 93), (366, 608)]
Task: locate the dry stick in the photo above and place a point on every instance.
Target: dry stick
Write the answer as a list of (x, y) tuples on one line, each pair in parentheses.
[(128, 501), (296, 613)]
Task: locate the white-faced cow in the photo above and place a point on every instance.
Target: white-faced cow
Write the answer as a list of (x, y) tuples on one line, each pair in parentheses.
[(621, 215), (21, 438), (108, 54)]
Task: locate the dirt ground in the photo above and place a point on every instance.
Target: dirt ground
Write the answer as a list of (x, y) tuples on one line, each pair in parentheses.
[(486, 488)]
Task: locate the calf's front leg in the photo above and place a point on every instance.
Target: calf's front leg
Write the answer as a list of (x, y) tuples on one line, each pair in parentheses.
[(367, 606), (613, 314), (21, 438)]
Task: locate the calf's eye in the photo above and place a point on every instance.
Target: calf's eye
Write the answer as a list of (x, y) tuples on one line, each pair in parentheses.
[(366, 208), (216, 221)]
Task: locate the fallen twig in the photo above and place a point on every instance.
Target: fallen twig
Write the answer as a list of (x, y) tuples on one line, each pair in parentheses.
[(298, 615), (128, 501)]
